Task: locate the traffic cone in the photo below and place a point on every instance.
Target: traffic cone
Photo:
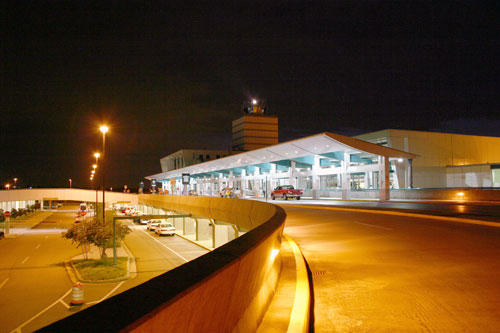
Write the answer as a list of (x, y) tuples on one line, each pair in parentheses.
[(77, 294)]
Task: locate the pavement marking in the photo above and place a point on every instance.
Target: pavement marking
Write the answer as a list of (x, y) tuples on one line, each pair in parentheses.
[(18, 329), (64, 303), (3, 283), (372, 225), (25, 259), (108, 294), (199, 251), (37, 247), (387, 212), (177, 254), (299, 318)]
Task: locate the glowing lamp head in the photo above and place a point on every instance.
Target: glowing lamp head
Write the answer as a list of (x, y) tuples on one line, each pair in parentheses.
[(97, 155), (104, 129), (254, 101), (7, 186), (460, 194), (400, 160), (94, 166)]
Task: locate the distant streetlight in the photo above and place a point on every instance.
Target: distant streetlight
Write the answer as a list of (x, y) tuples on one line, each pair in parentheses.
[(70, 181), (254, 101), (94, 166), (7, 186), (15, 182)]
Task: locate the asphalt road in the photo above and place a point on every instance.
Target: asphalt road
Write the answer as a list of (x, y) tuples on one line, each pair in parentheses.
[(35, 286), (466, 210), (374, 272)]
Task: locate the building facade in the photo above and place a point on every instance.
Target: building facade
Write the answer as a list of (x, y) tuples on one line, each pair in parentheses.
[(444, 160)]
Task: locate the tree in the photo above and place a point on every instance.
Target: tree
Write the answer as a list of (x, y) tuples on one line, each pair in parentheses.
[(79, 234), (93, 231)]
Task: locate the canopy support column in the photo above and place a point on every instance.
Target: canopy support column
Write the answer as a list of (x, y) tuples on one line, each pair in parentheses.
[(384, 184)]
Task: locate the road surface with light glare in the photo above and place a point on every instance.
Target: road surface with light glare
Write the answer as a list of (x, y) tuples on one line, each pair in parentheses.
[(377, 272)]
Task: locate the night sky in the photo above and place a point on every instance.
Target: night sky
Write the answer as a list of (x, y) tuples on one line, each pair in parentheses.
[(166, 77)]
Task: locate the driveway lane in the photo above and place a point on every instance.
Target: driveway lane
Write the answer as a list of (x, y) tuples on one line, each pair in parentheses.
[(36, 283), (421, 275)]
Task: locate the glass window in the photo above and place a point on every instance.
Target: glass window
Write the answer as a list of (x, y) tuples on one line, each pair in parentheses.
[(329, 182)]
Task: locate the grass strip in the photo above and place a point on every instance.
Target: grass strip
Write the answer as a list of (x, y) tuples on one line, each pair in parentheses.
[(99, 270)]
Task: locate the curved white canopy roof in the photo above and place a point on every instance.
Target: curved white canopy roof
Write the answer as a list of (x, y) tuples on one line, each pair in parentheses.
[(317, 144)]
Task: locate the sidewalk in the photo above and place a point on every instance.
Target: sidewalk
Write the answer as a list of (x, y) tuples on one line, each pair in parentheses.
[(21, 225)]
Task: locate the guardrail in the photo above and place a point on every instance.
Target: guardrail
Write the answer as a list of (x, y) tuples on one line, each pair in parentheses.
[(224, 290)]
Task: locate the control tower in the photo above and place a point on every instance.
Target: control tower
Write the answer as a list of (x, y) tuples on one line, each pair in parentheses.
[(255, 129)]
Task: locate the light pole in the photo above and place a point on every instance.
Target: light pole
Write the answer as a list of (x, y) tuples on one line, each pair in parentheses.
[(70, 181), (15, 183), (104, 129), (96, 155)]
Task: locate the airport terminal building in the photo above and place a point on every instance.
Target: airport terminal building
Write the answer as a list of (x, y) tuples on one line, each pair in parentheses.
[(334, 166)]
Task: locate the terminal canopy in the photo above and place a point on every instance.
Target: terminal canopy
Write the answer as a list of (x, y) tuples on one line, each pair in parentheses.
[(328, 146)]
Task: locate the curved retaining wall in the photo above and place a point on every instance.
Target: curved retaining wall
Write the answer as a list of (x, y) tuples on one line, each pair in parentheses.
[(225, 290)]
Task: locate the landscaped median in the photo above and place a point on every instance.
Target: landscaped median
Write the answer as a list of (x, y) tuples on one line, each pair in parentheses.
[(101, 270), (91, 268)]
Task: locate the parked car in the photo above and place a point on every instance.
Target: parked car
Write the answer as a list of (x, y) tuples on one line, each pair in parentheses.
[(165, 229), (285, 192), (151, 225), (141, 221)]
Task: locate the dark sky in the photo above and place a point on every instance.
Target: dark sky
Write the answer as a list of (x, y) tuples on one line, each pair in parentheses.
[(166, 77)]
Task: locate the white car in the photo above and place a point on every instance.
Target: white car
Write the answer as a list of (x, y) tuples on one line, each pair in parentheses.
[(151, 226), (165, 229)]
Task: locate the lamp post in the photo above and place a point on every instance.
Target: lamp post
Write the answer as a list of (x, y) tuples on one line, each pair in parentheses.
[(70, 181), (15, 183), (7, 186), (104, 129), (96, 155)]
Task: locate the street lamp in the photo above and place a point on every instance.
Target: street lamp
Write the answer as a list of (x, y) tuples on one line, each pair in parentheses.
[(7, 186), (70, 181), (15, 182), (104, 129)]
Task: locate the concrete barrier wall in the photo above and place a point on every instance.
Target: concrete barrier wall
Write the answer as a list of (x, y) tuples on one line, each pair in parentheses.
[(419, 194), (65, 194), (225, 290)]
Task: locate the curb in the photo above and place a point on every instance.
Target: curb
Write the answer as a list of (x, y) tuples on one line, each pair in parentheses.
[(195, 242), (299, 318), (131, 266)]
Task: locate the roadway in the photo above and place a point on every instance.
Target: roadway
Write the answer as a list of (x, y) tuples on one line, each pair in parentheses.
[(35, 286), (377, 272), (485, 211)]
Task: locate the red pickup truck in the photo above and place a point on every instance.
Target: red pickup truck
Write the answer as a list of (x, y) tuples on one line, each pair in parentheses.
[(285, 192)]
